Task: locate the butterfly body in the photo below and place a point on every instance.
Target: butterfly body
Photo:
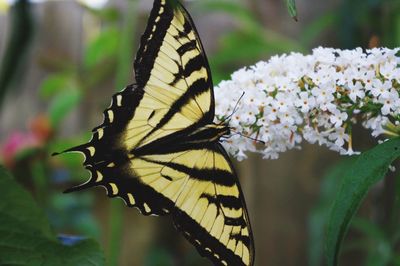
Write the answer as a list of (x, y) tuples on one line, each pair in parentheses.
[(158, 148), (209, 133), (198, 137)]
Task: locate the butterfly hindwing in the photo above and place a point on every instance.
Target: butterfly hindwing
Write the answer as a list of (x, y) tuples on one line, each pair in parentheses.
[(217, 223), (207, 203), (108, 161)]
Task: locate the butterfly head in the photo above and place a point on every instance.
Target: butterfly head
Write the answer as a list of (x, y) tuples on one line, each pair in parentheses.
[(223, 129), (210, 133), (219, 130)]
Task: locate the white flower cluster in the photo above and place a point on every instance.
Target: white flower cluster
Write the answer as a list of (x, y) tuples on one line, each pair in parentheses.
[(315, 97)]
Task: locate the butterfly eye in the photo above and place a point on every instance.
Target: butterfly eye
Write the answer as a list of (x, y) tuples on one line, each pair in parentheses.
[(227, 131)]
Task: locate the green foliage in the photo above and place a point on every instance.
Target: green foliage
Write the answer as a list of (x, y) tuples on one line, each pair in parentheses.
[(62, 104), (319, 216), (159, 256), (64, 90), (291, 6), (360, 20), (380, 240), (27, 238), (376, 242), (71, 211), (56, 83), (369, 168), (103, 47)]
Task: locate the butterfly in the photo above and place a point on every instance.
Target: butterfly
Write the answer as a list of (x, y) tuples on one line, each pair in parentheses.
[(158, 148)]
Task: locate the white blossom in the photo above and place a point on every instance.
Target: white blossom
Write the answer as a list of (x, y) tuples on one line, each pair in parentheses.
[(316, 98), (356, 91)]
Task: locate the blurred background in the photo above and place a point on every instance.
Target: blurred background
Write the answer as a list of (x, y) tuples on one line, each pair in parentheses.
[(61, 61)]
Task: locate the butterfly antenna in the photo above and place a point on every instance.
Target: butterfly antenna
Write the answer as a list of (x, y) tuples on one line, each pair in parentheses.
[(247, 137), (235, 108), (253, 139)]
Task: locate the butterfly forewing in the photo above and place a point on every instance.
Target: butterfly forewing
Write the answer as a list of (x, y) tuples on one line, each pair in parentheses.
[(174, 73), (139, 152)]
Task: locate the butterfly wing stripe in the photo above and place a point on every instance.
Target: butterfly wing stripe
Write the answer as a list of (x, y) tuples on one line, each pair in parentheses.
[(207, 221), (151, 41), (189, 46), (246, 231), (227, 201), (127, 106), (188, 24), (192, 65), (185, 223), (217, 176), (216, 219), (209, 225), (242, 238), (171, 62), (158, 146), (198, 87)]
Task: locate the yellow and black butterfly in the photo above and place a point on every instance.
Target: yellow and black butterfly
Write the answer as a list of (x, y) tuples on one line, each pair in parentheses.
[(159, 149)]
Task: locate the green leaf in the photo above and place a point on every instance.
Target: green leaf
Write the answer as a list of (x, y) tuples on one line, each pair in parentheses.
[(368, 169), (320, 213), (159, 256), (104, 46), (291, 6), (62, 104), (26, 236), (54, 84)]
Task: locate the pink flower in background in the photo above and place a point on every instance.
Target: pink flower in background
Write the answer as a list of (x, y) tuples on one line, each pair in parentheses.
[(15, 143), (39, 133)]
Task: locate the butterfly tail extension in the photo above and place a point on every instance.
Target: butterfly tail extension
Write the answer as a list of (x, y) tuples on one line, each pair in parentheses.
[(80, 187), (85, 149), (96, 179)]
